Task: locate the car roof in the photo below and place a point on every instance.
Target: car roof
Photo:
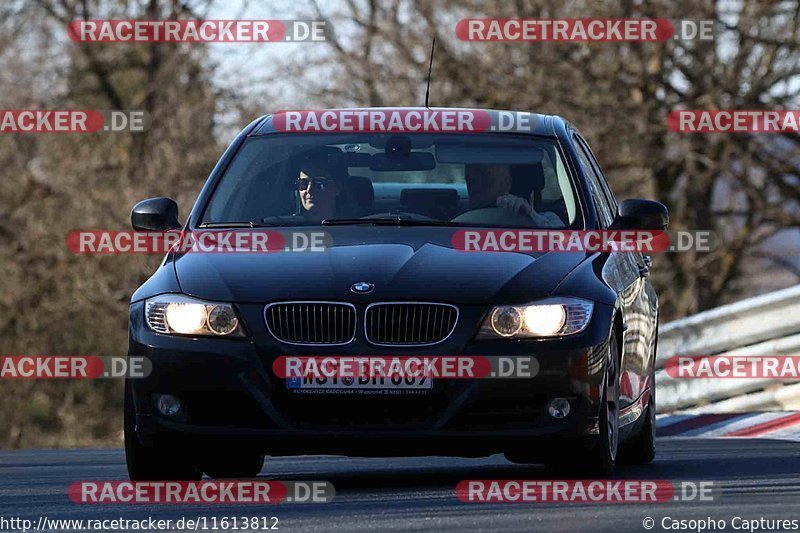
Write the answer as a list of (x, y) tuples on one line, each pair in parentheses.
[(538, 124)]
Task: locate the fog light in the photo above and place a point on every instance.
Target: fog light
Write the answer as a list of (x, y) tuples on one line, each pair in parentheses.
[(167, 404), (558, 407)]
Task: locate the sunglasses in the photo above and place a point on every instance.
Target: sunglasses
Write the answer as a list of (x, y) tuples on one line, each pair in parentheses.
[(319, 184)]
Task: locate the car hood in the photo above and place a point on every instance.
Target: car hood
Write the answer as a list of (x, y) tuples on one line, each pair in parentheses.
[(414, 267)]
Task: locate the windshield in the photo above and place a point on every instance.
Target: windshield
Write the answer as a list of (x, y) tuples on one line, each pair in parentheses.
[(486, 180)]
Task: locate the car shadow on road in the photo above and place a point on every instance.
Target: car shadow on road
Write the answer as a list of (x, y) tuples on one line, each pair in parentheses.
[(677, 459)]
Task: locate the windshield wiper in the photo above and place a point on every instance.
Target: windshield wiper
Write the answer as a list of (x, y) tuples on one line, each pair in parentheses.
[(398, 221), (250, 224)]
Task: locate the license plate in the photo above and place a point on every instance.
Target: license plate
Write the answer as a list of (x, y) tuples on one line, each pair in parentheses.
[(376, 385)]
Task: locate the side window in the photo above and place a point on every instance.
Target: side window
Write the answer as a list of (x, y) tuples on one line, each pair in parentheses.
[(604, 209), (599, 171)]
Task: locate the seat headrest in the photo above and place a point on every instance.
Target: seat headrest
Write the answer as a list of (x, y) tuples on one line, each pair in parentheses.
[(361, 190), (357, 196), (526, 178)]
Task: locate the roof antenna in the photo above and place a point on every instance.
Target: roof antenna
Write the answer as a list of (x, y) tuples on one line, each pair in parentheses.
[(430, 67)]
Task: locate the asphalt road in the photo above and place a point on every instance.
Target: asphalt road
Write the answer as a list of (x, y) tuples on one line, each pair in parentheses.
[(755, 478)]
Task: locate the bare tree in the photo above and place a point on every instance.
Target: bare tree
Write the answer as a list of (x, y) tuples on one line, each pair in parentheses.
[(69, 304), (744, 187)]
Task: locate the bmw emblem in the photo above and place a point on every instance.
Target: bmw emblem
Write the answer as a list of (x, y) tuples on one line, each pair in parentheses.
[(362, 287)]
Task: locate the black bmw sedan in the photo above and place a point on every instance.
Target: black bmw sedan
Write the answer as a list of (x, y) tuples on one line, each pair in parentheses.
[(389, 279)]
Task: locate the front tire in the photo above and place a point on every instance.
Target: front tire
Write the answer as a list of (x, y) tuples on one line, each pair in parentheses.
[(598, 455), (152, 463), (641, 449)]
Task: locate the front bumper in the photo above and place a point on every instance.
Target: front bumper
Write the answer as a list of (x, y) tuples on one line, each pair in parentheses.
[(232, 399)]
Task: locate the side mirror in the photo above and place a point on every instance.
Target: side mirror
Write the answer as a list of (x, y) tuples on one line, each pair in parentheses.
[(641, 214), (155, 214)]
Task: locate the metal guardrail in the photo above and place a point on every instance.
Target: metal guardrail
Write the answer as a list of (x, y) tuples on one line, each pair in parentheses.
[(764, 325)]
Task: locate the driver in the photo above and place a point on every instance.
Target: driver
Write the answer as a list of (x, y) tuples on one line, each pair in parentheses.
[(318, 188), (489, 185)]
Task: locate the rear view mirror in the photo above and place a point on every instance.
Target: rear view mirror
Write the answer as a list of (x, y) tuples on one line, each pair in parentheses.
[(641, 214), (155, 214)]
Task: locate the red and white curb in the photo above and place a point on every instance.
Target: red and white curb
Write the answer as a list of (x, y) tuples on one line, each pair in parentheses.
[(784, 425)]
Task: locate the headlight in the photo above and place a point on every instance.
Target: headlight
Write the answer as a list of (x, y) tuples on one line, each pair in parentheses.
[(174, 314), (553, 317)]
